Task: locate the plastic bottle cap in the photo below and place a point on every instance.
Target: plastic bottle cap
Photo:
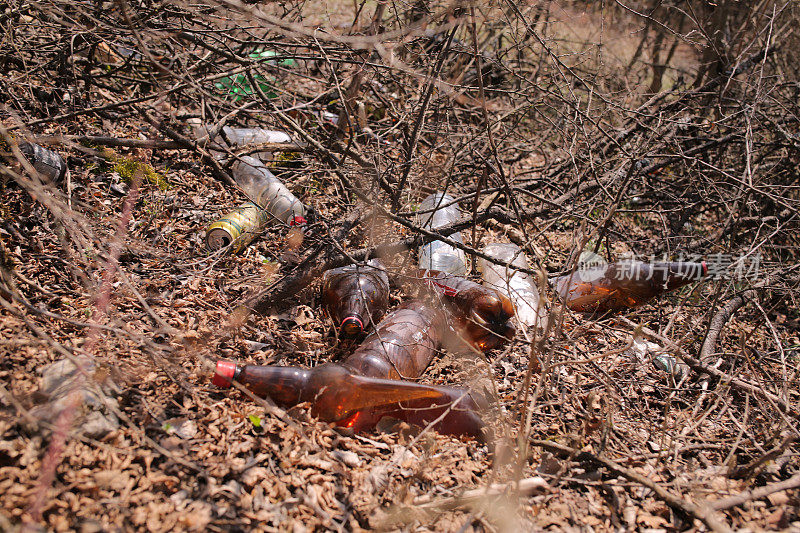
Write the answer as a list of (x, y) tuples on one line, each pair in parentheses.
[(705, 269), (352, 325), (223, 377), (298, 220)]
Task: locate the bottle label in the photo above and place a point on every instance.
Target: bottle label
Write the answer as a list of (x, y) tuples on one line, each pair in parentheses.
[(298, 220), (440, 287)]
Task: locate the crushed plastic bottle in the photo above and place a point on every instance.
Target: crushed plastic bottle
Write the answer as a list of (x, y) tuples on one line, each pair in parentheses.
[(438, 256), (670, 364), (644, 351), (355, 296), (238, 86), (48, 163), (624, 285), (267, 191), (369, 385), (518, 286), (237, 137)]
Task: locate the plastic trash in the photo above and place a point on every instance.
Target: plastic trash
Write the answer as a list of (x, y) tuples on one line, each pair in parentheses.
[(438, 256), (482, 314), (267, 191), (369, 385), (355, 296), (238, 86), (624, 285), (645, 351), (518, 286), (46, 162), (238, 137)]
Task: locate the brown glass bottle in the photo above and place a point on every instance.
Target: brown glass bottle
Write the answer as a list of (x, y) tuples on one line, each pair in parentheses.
[(624, 285), (355, 295), (367, 386), (482, 314)]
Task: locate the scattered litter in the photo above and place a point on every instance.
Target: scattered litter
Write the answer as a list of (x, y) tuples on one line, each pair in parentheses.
[(84, 389), (600, 287), (268, 192), (644, 351), (356, 297), (48, 164), (181, 427), (519, 286), (370, 384), (436, 211), (237, 228)]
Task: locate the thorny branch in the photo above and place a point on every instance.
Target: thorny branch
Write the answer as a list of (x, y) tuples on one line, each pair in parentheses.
[(537, 119)]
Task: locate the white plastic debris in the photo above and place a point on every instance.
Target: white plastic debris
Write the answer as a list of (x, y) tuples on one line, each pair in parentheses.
[(644, 350)]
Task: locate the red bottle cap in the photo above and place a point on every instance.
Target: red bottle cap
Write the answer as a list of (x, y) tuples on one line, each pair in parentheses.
[(223, 377), (352, 325), (298, 220), (705, 268)]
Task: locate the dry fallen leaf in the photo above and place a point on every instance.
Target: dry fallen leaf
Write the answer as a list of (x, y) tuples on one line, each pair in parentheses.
[(181, 427), (648, 520)]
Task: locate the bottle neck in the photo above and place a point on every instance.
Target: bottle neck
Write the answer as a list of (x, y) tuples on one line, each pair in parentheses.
[(282, 384), (351, 326)]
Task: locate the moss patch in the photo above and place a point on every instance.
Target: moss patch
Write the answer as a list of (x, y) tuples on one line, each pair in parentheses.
[(129, 168)]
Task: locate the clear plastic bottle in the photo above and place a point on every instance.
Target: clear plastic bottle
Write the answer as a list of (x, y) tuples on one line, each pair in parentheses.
[(519, 286), (242, 136), (238, 137), (356, 295), (267, 191), (437, 256), (624, 285)]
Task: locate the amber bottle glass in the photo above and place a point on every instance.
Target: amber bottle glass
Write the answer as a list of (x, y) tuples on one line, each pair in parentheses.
[(369, 385), (355, 296), (624, 285)]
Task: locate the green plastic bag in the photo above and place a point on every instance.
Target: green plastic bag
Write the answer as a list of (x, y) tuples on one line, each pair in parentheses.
[(266, 54), (239, 86)]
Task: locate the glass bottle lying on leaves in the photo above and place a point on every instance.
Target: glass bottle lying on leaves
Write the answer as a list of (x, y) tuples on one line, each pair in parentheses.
[(355, 296), (370, 384), (616, 286)]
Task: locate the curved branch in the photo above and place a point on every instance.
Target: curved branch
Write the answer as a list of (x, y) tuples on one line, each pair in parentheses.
[(718, 321), (724, 314)]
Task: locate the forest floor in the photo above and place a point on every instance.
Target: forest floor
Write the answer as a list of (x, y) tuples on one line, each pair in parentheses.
[(617, 443)]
